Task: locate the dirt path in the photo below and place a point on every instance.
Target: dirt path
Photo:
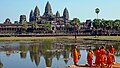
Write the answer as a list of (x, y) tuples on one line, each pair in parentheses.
[(116, 65)]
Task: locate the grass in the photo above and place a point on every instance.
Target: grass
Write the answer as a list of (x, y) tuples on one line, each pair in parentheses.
[(104, 38), (25, 38)]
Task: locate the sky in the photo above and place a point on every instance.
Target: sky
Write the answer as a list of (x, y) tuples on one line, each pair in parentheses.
[(82, 9)]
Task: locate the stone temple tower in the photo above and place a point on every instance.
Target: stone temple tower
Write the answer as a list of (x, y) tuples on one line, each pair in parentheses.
[(22, 19), (48, 10), (57, 16), (36, 13), (31, 16), (35, 16), (65, 15)]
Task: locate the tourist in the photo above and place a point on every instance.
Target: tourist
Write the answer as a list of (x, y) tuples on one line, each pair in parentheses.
[(76, 55), (98, 55), (90, 57)]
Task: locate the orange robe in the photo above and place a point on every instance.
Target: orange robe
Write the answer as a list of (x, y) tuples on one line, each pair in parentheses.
[(75, 55), (103, 56), (98, 55), (90, 57), (113, 50), (110, 58)]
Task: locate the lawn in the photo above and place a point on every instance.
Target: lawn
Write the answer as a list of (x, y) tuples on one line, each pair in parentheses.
[(104, 38)]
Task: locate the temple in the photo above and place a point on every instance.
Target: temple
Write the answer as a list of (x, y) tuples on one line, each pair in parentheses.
[(56, 20), (48, 22)]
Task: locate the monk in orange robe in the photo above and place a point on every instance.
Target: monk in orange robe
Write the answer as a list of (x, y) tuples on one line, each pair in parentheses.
[(76, 55), (112, 50), (98, 55), (109, 59), (103, 56), (90, 57)]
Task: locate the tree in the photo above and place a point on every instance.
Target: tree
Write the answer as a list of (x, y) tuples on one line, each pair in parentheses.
[(97, 10), (97, 24), (34, 25), (47, 26), (117, 25), (76, 25), (68, 26), (24, 27), (109, 25)]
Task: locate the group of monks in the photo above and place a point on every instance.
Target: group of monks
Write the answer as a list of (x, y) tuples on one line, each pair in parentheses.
[(103, 57)]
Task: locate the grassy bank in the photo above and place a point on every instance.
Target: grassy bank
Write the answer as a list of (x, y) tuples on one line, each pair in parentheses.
[(26, 38), (103, 38)]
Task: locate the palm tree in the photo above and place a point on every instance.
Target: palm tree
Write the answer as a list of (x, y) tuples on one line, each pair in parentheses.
[(97, 10), (76, 25)]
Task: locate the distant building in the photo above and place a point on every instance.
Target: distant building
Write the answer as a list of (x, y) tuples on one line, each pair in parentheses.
[(37, 21), (56, 20)]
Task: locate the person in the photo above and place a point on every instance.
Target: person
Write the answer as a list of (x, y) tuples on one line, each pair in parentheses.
[(98, 55), (90, 57), (76, 55), (109, 59), (103, 56), (112, 49)]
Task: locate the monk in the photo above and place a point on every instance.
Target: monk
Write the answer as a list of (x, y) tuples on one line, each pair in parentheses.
[(76, 55), (109, 59), (90, 57), (112, 49), (98, 55), (103, 56)]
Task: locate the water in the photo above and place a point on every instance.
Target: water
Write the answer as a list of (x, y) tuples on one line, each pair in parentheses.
[(42, 54)]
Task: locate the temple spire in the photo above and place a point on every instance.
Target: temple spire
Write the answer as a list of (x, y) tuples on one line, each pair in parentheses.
[(66, 14), (31, 16), (36, 12), (48, 10), (57, 14), (31, 13)]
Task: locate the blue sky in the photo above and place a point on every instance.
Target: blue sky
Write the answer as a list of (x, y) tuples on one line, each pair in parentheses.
[(82, 9)]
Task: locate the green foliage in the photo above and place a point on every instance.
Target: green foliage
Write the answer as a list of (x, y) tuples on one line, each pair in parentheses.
[(116, 24), (47, 26), (24, 26), (76, 22), (97, 10), (68, 26), (34, 25), (23, 48), (107, 24), (1, 65), (97, 23)]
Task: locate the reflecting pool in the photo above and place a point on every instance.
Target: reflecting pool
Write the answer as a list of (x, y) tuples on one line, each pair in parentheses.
[(48, 53)]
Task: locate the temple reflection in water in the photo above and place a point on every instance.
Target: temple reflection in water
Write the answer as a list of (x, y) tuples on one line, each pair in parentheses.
[(51, 51)]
